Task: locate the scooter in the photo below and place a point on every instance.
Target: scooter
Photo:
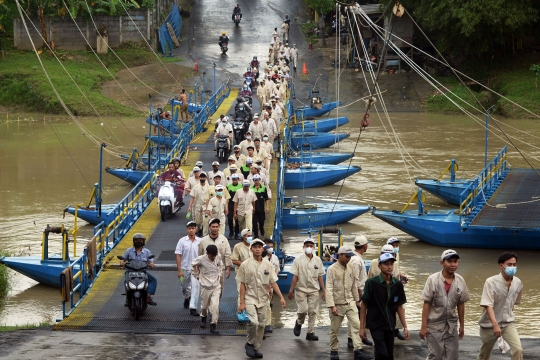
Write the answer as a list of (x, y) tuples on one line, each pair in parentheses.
[(136, 285), (222, 148), (249, 82), (168, 204), (237, 19), (224, 47), (239, 130)]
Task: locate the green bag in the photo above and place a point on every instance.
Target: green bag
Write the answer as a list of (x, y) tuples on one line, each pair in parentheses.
[(188, 215)]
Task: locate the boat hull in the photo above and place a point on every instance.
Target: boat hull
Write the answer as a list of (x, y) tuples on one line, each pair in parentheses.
[(91, 215), (307, 111), (322, 215), (129, 175), (45, 272), (321, 158), (317, 176), (323, 125), (444, 190), (315, 140), (443, 228)]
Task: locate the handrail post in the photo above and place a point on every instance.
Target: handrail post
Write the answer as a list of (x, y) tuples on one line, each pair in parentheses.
[(453, 171), (419, 201)]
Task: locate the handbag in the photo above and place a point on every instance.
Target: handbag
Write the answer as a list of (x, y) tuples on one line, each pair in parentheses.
[(242, 317)]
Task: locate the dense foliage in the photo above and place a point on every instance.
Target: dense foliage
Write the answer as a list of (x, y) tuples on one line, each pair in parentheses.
[(321, 6)]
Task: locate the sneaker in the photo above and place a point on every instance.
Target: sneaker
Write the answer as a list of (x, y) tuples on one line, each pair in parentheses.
[(268, 329), (193, 312), (213, 329), (250, 351), (334, 355), (350, 344), (150, 301), (361, 355), (311, 336), (258, 354), (203, 321), (398, 334), (186, 302), (297, 328), (367, 342)]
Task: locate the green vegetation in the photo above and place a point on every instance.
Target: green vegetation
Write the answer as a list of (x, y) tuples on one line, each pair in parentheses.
[(5, 280), (24, 84), (23, 327), (308, 28), (321, 6)]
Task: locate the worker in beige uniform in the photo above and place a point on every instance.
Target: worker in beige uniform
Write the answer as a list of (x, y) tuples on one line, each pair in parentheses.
[(269, 147), (443, 293), (240, 254), (191, 181), (244, 205), (256, 128), (217, 208), (238, 156), (343, 301), (374, 268), (211, 191), (224, 248), (256, 275), (207, 269), (197, 204), (501, 293), (308, 271), (359, 266), (268, 254)]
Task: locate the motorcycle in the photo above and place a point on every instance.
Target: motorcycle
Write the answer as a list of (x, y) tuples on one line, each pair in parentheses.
[(222, 148), (237, 19), (239, 129), (168, 204), (136, 285), (224, 47), (249, 82)]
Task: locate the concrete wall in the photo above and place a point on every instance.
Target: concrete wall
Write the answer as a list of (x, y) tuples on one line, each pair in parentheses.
[(65, 34)]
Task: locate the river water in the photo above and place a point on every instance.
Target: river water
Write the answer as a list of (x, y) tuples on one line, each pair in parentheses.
[(39, 179)]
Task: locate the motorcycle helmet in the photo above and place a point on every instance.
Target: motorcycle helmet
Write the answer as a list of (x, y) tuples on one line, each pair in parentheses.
[(254, 58), (249, 69), (139, 240), (223, 33), (175, 160)]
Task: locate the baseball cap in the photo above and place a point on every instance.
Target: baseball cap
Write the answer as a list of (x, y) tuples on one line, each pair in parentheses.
[(245, 183), (273, 100), (346, 250), (233, 167), (385, 258), (360, 241), (265, 134), (214, 221), (392, 240), (256, 241), (249, 160), (203, 174), (256, 177), (309, 240), (245, 231), (255, 116), (196, 168), (447, 254), (249, 132), (236, 147), (257, 139), (191, 223), (389, 249), (235, 176), (258, 160), (217, 175), (266, 104), (215, 163), (199, 163), (219, 187), (232, 158)]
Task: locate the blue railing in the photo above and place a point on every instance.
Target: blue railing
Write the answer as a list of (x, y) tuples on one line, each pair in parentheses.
[(174, 19), (80, 275)]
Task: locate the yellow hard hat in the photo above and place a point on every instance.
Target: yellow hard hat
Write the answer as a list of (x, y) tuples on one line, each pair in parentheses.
[(223, 33)]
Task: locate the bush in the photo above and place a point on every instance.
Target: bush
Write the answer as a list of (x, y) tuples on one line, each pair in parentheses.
[(5, 280)]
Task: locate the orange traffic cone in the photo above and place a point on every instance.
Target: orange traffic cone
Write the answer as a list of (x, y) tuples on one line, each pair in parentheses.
[(196, 66), (304, 69), (310, 45)]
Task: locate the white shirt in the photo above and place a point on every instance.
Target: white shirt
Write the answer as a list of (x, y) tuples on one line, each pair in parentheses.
[(189, 251), (211, 177)]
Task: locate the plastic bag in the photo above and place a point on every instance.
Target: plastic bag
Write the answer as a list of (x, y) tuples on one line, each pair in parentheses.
[(242, 317), (188, 215), (503, 345)]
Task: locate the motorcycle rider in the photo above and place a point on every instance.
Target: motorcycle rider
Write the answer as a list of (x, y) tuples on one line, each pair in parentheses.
[(242, 113), (173, 176), (224, 128), (236, 10), (255, 64), (140, 253), (240, 101), (250, 74), (246, 92), (176, 162), (223, 39)]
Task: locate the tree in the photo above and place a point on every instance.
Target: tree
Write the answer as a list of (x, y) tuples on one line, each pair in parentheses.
[(321, 6), (474, 27)]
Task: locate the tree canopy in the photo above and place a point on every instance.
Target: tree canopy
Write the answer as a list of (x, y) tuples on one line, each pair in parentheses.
[(321, 6)]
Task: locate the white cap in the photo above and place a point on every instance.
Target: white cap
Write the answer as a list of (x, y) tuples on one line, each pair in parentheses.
[(215, 163), (246, 183), (249, 160), (386, 257), (447, 254), (256, 177), (219, 187), (392, 240), (196, 168), (310, 240), (255, 116), (346, 250), (387, 249), (244, 232), (235, 176), (360, 241)]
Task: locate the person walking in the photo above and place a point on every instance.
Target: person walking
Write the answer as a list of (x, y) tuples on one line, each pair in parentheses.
[(207, 269), (217, 208), (307, 270), (256, 276), (186, 251), (501, 293), (240, 254), (268, 254), (342, 301), (262, 206), (383, 296), (285, 31), (232, 188), (374, 269), (197, 204), (443, 293), (191, 181), (394, 242), (224, 248), (244, 205)]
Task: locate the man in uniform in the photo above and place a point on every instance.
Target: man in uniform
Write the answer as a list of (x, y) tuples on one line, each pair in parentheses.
[(259, 151), (256, 127), (197, 204), (256, 276), (343, 301), (217, 208), (246, 169), (443, 293), (240, 254), (268, 254), (245, 143), (261, 206), (234, 226), (191, 181), (198, 164), (374, 269), (238, 156), (224, 128), (207, 269), (308, 271), (229, 172), (501, 293), (269, 147), (394, 242), (269, 127), (294, 56), (186, 251), (261, 94), (224, 248), (216, 171), (244, 205)]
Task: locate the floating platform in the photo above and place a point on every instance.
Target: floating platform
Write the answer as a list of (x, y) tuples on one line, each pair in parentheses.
[(448, 191), (315, 140), (320, 157), (91, 214), (322, 125), (46, 272), (311, 111), (129, 175), (314, 215), (317, 175)]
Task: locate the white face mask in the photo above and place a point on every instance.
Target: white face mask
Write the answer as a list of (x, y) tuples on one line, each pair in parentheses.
[(308, 250), (248, 137)]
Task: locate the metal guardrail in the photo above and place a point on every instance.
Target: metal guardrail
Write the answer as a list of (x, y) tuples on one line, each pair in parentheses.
[(131, 207), (471, 196)]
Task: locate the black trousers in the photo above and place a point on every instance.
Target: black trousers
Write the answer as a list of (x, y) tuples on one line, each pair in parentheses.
[(383, 341), (234, 226), (258, 223)]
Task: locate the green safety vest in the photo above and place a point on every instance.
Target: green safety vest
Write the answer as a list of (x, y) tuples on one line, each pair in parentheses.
[(259, 190)]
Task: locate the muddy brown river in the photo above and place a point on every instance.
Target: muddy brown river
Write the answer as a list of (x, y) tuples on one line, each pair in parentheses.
[(39, 178)]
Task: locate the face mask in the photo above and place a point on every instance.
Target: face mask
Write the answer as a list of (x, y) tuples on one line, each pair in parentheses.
[(270, 251), (138, 244), (308, 251), (224, 124), (202, 180), (396, 250), (248, 137), (219, 193), (265, 138), (248, 240), (510, 270), (241, 109)]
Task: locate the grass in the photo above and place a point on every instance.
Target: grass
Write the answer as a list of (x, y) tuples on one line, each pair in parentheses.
[(5, 280), (24, 85), (511, 78), (23, 327)]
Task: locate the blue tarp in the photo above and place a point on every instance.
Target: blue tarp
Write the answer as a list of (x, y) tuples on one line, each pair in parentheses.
[(175, 20)]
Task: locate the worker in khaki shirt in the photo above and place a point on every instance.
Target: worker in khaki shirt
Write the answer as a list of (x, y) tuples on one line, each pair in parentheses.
[(224, 248), (191, 181), (359, 266), (240, 254), (307, 281), (374, 268), (443, 293), (217, 208), (256, 275), (207, 269), (343, 301), (244, 205), (268, 254), (501, 293), (259, 151), (197, 204), (239, 158)]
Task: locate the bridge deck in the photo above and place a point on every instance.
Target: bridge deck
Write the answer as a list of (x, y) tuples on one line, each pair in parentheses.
[(102, 309), (519, 188)]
